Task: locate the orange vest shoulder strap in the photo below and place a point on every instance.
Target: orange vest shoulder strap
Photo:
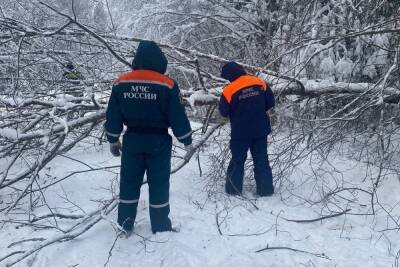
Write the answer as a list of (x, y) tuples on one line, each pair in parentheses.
[(241, 83), (145, 76), (121, 77)]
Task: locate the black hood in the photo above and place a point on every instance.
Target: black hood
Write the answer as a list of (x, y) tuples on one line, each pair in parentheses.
[(232, 70), (150, 57)]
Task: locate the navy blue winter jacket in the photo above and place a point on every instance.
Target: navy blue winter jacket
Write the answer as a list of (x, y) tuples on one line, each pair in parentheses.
[(146, 100), (246, 101)]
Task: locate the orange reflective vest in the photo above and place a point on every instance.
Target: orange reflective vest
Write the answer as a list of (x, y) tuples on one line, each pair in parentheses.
[(240, 84), (145, 77)]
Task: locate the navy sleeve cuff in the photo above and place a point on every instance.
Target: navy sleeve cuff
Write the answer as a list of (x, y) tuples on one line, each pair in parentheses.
[(187, 141), (112, 139)]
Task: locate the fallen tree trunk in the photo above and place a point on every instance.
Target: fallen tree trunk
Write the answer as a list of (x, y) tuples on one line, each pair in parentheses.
[(316, 88)]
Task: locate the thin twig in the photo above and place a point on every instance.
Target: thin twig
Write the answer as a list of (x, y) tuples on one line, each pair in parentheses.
[(319, 255), (320, 218)]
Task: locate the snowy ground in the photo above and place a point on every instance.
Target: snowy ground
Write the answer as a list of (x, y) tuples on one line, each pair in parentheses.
[(346, 240)]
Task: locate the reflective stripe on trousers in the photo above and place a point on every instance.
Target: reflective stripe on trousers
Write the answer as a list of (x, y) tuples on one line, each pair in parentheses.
[(124, 201), (159, 206)]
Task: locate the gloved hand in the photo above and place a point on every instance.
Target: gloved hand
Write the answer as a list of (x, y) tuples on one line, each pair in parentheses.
[(115, 149), (189, 152)]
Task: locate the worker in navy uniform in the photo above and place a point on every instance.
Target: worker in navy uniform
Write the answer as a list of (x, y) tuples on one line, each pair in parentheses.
[(148, 103), (73, 78), (246, 101)]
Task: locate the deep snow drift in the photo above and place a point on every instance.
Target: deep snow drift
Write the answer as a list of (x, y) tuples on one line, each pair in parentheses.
[(215, 230)]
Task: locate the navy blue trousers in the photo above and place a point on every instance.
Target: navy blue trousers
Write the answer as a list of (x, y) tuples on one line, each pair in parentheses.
[(262, 169), (151, 154)]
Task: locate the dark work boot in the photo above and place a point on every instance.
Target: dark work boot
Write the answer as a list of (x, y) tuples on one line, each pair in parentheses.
[(265, 192), (159, 220), (126, 216), (231, 189)]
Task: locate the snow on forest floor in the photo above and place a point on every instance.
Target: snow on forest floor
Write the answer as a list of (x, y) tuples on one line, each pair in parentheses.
[(346, 240)]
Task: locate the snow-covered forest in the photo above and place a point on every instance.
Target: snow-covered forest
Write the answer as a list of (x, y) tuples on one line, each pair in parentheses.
[(334, 67)]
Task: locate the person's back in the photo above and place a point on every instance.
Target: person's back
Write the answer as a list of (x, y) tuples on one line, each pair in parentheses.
[(147, 102), (246, 101)]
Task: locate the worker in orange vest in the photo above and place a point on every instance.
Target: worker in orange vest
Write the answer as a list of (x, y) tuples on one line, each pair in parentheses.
[(246, 101), (147, 102)]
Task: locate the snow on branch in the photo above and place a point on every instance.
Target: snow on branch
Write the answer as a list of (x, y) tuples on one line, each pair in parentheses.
[(314, 88)]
